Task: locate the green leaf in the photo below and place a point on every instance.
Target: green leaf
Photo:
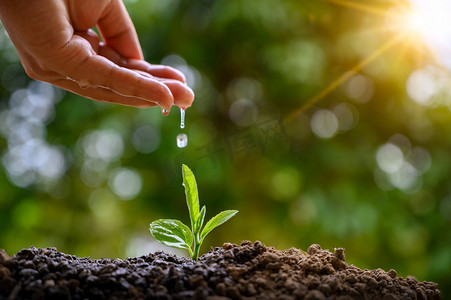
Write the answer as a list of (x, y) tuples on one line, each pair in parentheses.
[(200, 219), (217, 220), (192, 198), (172, 233)]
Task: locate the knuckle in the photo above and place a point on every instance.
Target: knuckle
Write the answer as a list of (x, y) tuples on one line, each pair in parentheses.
[(37, 72), (32, 73), (42, 70)]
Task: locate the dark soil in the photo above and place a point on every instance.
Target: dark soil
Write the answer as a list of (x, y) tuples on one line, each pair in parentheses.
[(248, 271)]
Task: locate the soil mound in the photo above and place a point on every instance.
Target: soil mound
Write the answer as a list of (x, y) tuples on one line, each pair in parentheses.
[(248, 271)]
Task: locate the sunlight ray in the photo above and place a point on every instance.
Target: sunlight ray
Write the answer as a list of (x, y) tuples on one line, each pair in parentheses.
[(359, 6), (390, 43)]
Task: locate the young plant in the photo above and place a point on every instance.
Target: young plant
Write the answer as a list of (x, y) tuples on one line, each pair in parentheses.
[(174, 233)]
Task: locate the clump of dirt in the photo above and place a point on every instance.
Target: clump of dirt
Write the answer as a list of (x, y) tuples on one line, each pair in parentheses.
[(247, 271)]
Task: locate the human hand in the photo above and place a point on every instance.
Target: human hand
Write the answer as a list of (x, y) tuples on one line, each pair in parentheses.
[(56, 44)]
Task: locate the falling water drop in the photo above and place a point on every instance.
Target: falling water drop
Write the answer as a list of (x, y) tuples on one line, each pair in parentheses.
[(182, 140), (182, 118)]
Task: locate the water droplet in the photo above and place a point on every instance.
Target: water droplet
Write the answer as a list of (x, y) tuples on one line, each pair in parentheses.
[(182, 118), (182, 140)]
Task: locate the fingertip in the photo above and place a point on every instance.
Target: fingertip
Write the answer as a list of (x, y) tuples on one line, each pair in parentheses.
[(191, 92), (183, 95), (189, 97), (163, 95), (165, 111)]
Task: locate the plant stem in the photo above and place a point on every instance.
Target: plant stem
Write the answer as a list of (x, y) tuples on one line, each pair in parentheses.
[(196, 247)]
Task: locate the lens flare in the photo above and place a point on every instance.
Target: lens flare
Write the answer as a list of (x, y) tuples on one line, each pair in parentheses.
[(424, 23), (430, 20)]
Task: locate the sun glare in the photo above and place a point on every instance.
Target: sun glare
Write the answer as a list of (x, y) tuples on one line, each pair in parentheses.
[(417, 22), (419, 28), (425, 22), (431, 19)]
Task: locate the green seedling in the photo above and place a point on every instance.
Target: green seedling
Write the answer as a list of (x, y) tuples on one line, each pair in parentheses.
[(174, 233)]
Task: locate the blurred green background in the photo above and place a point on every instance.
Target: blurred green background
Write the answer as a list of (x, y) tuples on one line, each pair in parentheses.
[(321, 121)]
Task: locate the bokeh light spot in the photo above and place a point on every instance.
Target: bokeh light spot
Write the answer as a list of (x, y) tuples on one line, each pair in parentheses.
[(125, 183), (402, 142), (34, 157), (324, 123), (103, 144), (243, 112), (381, 179), (94, 172), (407, 178), (360, 88), (389, 158), (244, 87), (146, 139), (50, 162), (421, 86), (347, 116)]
